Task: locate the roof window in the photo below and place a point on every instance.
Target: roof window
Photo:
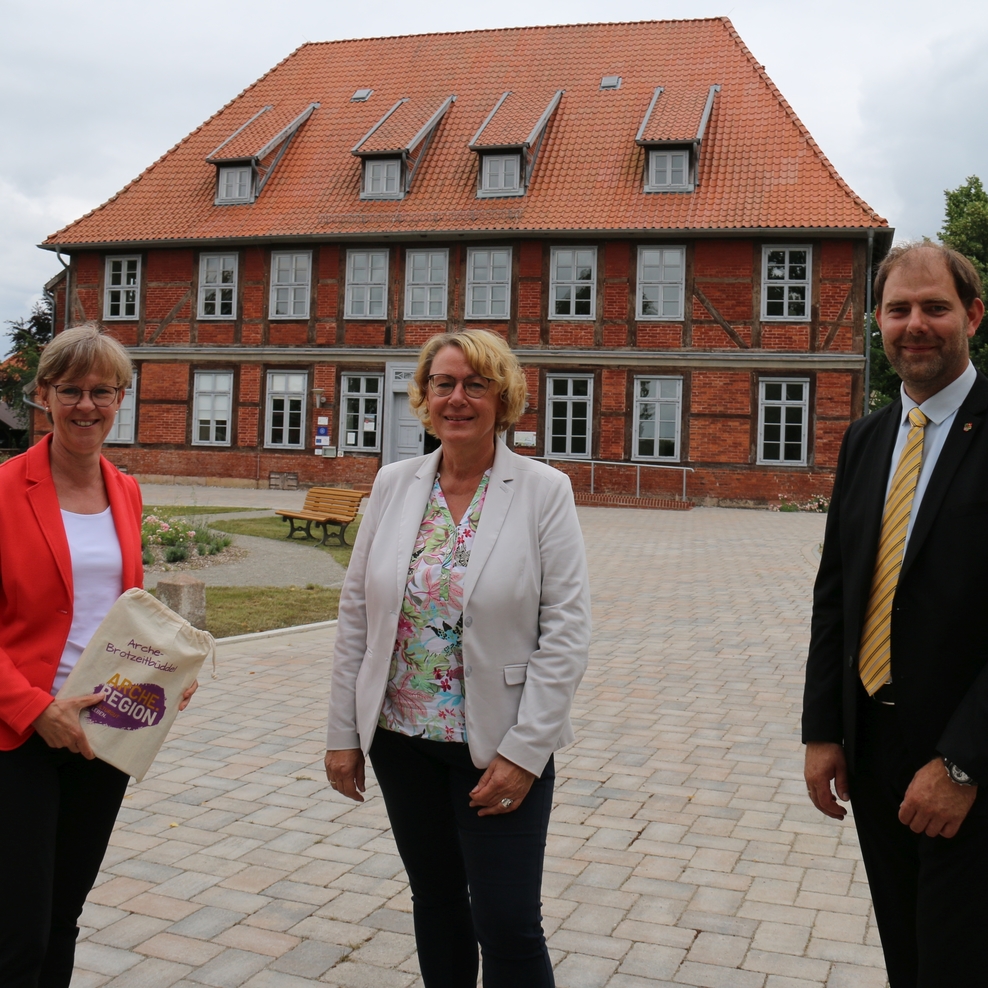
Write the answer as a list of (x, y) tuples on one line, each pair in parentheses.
[(361, 96), (610, 82)]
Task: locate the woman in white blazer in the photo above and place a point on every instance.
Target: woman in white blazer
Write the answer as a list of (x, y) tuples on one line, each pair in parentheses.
[(463, 634)]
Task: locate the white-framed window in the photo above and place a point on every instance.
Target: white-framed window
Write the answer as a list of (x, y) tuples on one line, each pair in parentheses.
[(218, 286), (425, 284), (783, 410), (500, 175), (211, 405), (122, 430), (668, 171), (285, 423), (366, 284), (661, 282), (121, 292), (786, 273), (573, 283), (360, 412), (382, 178), (658, 412), (569, 410), (235, 183), (488, 283), (290, 279)]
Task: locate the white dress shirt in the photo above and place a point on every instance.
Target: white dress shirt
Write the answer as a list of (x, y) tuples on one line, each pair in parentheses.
[(941, 410)]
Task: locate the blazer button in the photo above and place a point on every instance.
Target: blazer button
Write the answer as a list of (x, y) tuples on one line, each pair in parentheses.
[(467, 671), (467, 621), (850, 661), (60, 611)]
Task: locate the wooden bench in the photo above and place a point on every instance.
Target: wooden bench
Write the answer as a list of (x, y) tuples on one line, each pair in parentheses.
[(325, 506)]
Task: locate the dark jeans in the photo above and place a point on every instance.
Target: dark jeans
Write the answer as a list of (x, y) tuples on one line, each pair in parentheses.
[(930, 893), (58, 813), (474, 879)]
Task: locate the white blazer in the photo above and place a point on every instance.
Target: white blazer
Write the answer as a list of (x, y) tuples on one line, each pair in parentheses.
[(526, 610)]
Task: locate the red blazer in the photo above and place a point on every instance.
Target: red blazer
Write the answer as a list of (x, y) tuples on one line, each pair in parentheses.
[(36, 580)]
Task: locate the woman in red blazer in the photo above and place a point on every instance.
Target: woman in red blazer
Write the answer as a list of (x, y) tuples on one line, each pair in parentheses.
[(70, 544)]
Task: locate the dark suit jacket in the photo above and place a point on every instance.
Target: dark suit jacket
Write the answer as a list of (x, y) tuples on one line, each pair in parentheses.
[(940, 610), (36, 580)]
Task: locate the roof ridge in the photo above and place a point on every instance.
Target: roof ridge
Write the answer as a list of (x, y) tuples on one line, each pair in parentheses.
[(760, 69), (508, 30), (157, 161)]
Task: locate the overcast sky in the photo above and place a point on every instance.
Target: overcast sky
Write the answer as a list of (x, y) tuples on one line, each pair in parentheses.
[(894, 91)]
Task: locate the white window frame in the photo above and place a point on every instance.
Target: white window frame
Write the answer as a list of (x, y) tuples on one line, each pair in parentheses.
[(485, 288), (123, 429), (122, 288), (569, 398), (363, 292), (786, 282), (243, 176), (429, 290), (556, 284), (654, 181), (200, 394), (220, 286), (274, 393), (360, 398), (660, 402), (784, 403), (492, 176), (386, 169), (663, 283), (296, 289)]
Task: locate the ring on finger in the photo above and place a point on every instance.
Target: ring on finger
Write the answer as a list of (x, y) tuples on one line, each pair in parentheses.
[(506, 802)]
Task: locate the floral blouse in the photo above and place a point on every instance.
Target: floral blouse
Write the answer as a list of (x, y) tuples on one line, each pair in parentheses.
[(424, 696)]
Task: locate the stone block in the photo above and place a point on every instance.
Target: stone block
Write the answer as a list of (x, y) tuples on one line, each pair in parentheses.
[(186, 596)]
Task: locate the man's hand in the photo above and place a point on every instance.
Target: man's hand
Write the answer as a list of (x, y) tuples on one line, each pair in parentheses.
[(502, 780), (825, 762), (59, 727), (935, 805), (187, 695), (345, 771)]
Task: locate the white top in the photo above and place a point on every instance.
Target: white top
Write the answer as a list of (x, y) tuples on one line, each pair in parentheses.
[(941, 410), (97, 580)]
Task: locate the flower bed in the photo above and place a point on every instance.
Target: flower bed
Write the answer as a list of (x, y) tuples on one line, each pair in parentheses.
[(175, 540)]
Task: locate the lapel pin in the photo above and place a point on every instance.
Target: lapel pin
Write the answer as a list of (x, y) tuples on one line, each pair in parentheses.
[(967, 426)]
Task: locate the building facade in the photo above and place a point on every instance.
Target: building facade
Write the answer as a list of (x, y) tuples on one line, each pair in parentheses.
[(678, 267)]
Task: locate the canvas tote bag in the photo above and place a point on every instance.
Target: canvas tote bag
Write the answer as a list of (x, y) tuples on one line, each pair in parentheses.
[(143, 657)]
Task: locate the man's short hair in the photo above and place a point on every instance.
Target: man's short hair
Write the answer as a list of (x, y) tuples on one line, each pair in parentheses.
[(967, 281)]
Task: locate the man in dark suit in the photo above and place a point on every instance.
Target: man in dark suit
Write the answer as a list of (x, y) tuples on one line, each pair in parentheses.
[(895, 710)]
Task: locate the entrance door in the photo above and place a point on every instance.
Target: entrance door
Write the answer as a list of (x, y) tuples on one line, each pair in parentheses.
[(405, 433)]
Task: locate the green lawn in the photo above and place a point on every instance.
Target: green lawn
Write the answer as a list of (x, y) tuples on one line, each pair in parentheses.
[(190, 510), (276, 528)]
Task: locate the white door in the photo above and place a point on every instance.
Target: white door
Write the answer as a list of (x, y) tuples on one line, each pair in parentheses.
[(405, 433)]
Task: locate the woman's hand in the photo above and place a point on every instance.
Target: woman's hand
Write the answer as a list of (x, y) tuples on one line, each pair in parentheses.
[(187, 695), (345, 771), (503, 780), (59, 726)]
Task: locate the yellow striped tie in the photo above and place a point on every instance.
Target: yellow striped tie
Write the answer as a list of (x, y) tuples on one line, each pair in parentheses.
[(875, 656)]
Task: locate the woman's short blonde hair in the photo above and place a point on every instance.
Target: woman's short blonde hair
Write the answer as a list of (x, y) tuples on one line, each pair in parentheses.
[(490, 357), (83, 350)]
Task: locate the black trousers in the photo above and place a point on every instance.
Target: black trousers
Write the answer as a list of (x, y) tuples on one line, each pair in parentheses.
[(930, 893), (474, 879), (58, 813)]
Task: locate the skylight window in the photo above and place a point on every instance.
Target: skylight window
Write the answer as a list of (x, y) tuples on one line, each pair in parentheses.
[(610, 82), (361, 96)]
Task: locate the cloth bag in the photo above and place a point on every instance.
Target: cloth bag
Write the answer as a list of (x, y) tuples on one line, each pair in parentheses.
[(143, 657)]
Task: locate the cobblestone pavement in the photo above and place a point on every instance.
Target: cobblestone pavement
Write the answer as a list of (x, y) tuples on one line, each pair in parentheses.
[(682, 848)]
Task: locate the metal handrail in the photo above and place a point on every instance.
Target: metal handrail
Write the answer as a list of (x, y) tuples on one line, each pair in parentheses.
[(621, 463)]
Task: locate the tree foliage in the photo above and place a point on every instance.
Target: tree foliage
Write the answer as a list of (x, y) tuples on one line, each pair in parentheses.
[(28, 337), (965, 229)]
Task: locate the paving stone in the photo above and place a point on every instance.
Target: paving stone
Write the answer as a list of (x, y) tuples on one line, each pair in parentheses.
[(230, 968), (309, 959), (206, 923), (584, 971), (151, 973)]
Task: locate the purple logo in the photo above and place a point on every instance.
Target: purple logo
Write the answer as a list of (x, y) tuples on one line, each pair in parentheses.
[(129, 706)]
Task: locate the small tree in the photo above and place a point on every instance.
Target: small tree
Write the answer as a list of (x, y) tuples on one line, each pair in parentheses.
[(28, 337)]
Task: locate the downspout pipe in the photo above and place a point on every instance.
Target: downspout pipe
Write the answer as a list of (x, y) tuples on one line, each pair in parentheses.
[(867, 322)]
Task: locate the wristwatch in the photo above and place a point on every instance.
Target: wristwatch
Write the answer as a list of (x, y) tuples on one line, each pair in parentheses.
[(957, 774)]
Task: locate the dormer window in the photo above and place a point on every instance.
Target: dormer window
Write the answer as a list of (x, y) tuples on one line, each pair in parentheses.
[(668, 171), (501, 174), (234, 184), (382, 179)]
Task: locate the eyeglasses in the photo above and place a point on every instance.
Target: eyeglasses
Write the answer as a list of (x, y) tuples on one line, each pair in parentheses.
[(443, 385), (102, 396)]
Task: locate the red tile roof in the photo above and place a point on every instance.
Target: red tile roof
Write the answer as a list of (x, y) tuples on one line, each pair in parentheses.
[(677, 113), (252, 138), (401, 127), (759, 166), (512, 123)]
